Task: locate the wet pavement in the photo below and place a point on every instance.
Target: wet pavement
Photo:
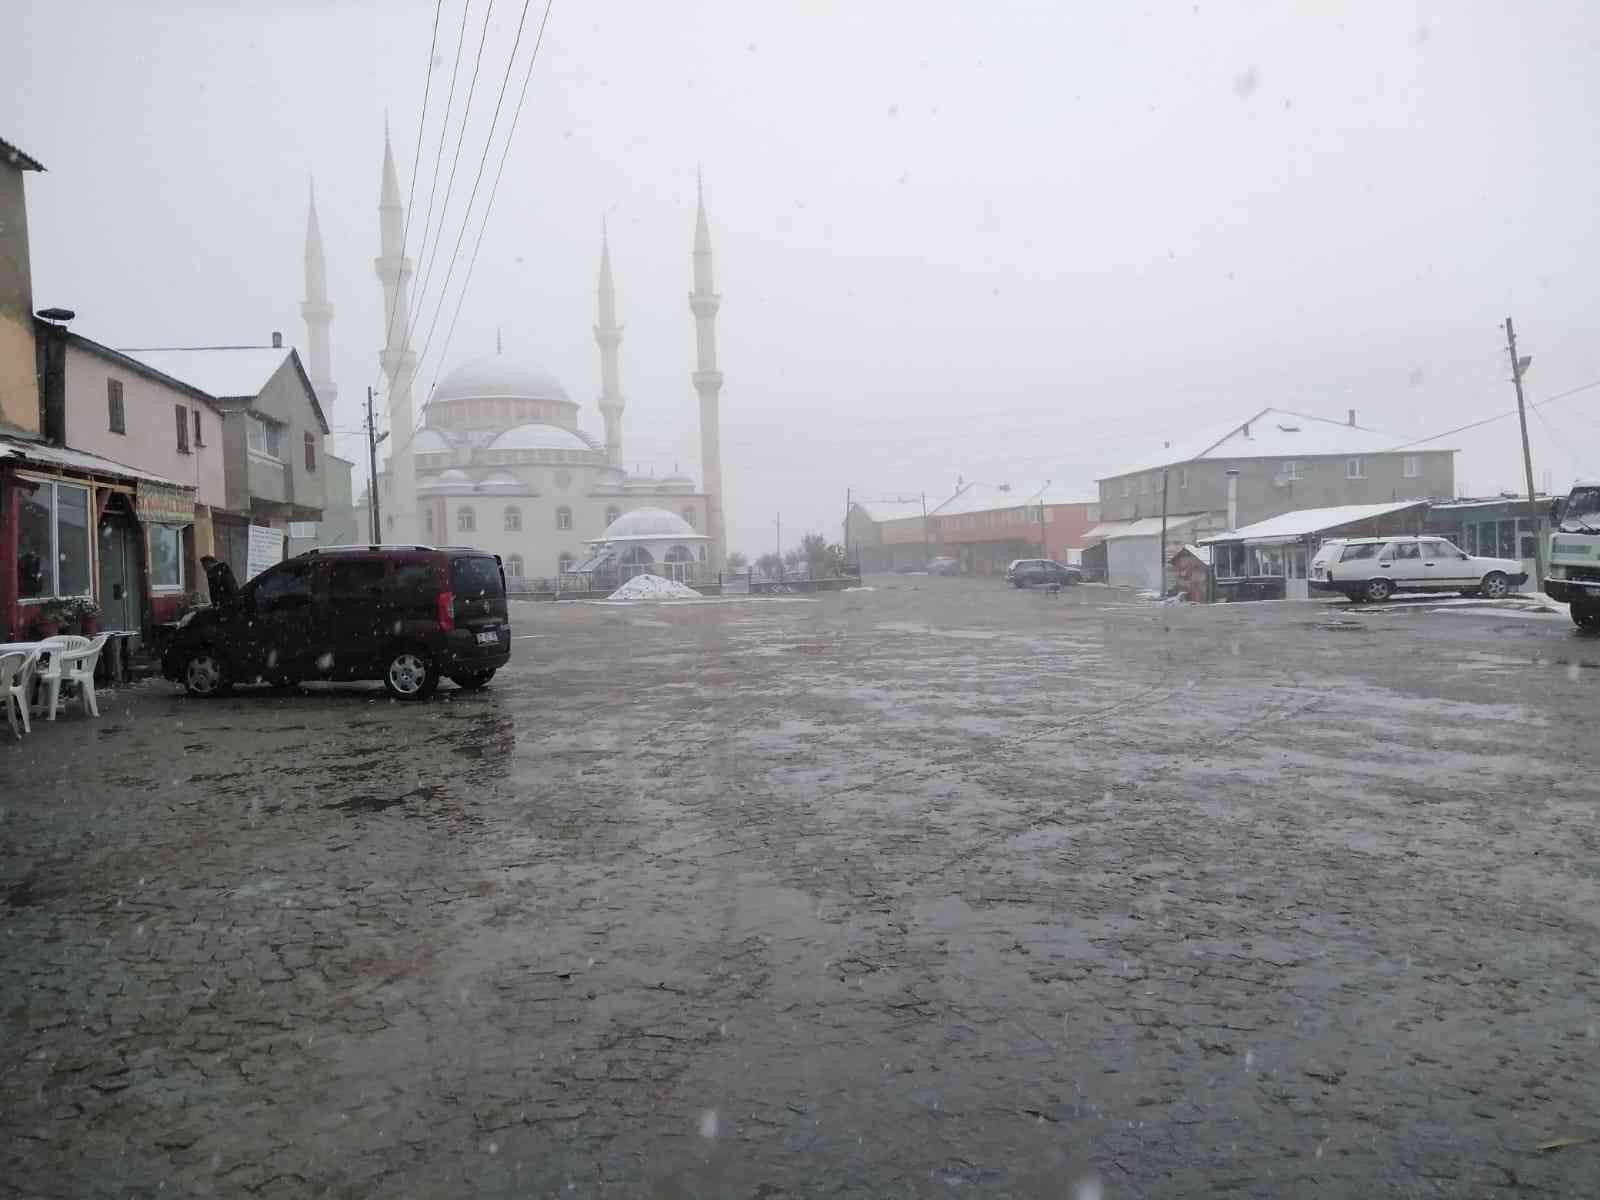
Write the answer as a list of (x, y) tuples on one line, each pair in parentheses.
[(939, 889)]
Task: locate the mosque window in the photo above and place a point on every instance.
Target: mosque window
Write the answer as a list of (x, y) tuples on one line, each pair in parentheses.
[(466, 519), (566, 561), (563, 517), (514, 566), (688, 515), (612, 514), (513, 518), (427, 519)]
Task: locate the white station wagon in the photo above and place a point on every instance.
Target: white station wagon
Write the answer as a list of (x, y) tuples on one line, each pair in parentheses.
[(1377, 568)]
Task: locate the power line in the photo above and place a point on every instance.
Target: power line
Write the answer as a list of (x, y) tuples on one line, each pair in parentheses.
[(416, 158), (494, 190), (419, 300), (483, 159), (1582, 387)]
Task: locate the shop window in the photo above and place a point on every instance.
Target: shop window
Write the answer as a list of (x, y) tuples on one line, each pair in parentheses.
[(53, 539), (1230, 560), (166, 558)]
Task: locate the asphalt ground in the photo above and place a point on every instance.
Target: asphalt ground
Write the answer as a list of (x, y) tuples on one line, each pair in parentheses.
[(936, 889)]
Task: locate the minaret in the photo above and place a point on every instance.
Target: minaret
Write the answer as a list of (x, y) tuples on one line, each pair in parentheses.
[(318, 314), (399, 364), (704, 302), (608, 335)]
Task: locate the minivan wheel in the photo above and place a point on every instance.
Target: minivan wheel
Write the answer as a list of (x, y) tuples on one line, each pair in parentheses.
[(1495, 586), (205, 675), (1379, 590), (409, 675), (471, 681)]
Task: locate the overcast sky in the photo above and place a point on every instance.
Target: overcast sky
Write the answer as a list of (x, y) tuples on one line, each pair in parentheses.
[(1008, 242)]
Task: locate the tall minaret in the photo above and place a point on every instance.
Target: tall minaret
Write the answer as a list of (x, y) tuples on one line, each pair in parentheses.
[(399, 364), (318, 314), (704, 302), (608, 335)]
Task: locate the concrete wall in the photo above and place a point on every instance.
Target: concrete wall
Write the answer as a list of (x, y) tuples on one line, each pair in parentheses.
[(1322, 483), (150, 442), (19, 392), (287, 399)]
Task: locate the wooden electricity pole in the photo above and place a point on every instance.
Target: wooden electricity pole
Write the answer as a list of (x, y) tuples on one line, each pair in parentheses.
[(1517, 367), (372, 473), (1163, 576)]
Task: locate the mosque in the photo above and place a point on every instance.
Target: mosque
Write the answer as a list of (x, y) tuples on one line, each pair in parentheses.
[(499, 461)]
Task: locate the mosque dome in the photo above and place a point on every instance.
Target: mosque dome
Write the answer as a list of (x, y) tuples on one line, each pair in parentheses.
[(502, 481), (538, 436), (499, 375), (453, 480), (649, 523)]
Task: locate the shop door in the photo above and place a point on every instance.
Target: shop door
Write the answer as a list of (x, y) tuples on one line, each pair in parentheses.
[(119, 573), (1294, 571)]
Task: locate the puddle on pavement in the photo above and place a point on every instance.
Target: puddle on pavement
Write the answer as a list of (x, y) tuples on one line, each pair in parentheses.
[(376, 804)]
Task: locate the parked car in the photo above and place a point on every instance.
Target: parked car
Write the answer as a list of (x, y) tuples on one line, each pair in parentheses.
[(1377, 568), (944, 565), (408, 615), (1024, 572)]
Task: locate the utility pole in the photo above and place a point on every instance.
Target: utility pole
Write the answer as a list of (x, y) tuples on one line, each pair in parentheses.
[(1163, 575), (927, 549), (780, 547), (1519, 365), (847, 525), (372, 473)]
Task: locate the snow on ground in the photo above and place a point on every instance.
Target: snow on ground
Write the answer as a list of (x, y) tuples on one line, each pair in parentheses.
[(653, 587)]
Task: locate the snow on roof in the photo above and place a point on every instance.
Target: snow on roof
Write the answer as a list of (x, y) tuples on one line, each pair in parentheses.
[(1203, 553), (40, 452), (1274, 433), (227, 372), (1060, 493), (982, 497), (1539, 498), (536, 435), (1290, 525), (890, 510), (1108, 531), (649, 524)]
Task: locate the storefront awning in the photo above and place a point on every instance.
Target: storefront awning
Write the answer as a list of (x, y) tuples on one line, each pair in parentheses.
[(164, 503)]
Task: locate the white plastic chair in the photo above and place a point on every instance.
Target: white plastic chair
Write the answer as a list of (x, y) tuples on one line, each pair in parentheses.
[(49, 675), (15, 676), (75, 665)]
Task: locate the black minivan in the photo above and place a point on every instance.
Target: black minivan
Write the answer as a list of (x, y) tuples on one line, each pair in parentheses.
[(408, 615)]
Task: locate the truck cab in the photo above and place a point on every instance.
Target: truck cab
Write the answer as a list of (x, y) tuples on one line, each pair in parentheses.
[(1573, 576)]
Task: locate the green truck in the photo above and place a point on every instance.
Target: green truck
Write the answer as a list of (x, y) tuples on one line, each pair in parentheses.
[(1573, 575)]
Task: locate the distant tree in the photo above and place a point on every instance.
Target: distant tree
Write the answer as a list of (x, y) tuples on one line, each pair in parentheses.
[(769, 564), (793, 559), (737, 561), (814, 549)]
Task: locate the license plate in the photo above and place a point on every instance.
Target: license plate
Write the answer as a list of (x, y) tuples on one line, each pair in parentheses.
[(488, 637)]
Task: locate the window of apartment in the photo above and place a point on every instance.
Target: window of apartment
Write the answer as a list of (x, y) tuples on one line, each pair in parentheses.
[(1127, 488), (1183, 477), (513, 519), (182, 413), (263, 437), (116, 415), (466, 519), (311, 452), (1291, 469), (1413, 466), (1355, 468), (199, 439), (53, 539), (563, 517), (166, 558)]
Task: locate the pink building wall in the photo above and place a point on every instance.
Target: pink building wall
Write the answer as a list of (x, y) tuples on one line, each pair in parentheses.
[(151, 441)]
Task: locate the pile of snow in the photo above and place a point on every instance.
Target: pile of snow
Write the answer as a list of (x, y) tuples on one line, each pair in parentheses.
[(653, 587)]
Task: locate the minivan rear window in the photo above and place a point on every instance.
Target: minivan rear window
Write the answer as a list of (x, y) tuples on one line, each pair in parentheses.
[(471, 578)]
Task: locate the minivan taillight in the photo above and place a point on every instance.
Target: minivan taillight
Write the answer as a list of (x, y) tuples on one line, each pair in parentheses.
[(447, 611)]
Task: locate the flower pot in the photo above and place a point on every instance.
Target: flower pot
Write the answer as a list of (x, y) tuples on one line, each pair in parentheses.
[(43, 628), (90, 623)]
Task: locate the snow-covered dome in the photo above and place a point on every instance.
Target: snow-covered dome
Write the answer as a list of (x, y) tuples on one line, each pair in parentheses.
[(499, 375), (452, 480), (429, 441), (648, 523), (502, 481), (677, 482), (536, 436)]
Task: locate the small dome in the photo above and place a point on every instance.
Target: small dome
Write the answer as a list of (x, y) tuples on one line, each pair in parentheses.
[(429, 441), (649, 523), (502, 481), (453, 480), (499, 375), (536, 436)]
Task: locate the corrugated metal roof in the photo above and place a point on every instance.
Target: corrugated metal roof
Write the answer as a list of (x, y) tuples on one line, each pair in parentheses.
[(1108, 531), (227, 372), (21, 158), (1307, 521), (44, 454), (1274, 433), (1203, 553)]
